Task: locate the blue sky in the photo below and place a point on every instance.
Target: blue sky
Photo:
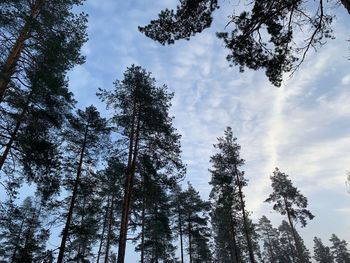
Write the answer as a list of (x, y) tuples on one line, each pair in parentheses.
[(303, 127)]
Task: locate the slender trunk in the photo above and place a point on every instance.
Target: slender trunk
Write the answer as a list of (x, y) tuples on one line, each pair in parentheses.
[(128, 189), (143, 223), (180, 231), (245, 221), (235, 254), (19, 120), (103, 232), (190, 237), (297, 244), (9, 67), (109, 232), (72, 202)]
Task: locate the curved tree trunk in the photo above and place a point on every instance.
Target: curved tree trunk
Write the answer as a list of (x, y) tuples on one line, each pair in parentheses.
[(346, 4)]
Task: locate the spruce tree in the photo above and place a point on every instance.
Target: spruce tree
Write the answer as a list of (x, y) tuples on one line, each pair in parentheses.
[(289, 201), (142, 119), (322, 253)]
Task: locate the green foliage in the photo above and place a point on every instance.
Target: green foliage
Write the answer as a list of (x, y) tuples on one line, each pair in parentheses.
[(339, 250), (322, 253), (287, 199), (263, 34)]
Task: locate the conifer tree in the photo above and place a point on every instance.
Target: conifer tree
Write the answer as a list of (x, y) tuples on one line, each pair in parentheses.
[(339, 250), (86, 137), (142, 119), (269, 237), (27, 27), (262, 33), (289, 201), (227, 196), (23, 235), (155, 214), (289, 252), (322, 253)]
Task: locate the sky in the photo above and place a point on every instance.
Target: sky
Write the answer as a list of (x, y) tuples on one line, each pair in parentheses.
[(303, 127)]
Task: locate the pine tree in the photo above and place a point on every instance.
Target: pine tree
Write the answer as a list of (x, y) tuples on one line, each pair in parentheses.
[(288, 251), (339, 250), (191, 220), (277, 21), (269, 237), (86, 136), (322, 253), (27, 27), (22, 233), (152, 201), (228, 199), (289, 201), (142, 118)]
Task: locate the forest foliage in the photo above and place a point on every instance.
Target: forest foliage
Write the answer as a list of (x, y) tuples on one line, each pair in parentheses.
[(109, 183)]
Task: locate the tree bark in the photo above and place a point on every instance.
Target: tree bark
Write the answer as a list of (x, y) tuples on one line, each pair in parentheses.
[(9, 67), (103, 232), (109, 232), (72, 203), (143, 223), (133, 150), (245, 221), (180, 231), (235, 256), (190, 237), (297, 244)]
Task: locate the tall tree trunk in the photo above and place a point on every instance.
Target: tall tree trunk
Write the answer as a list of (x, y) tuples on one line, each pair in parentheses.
[(103, 232), (190, 238), (72, 202), (235, 256), (9, 67), (129, 186), (19, 120), (109, 232), (143, 223), (245, 221), (297, 244), (180, 231)]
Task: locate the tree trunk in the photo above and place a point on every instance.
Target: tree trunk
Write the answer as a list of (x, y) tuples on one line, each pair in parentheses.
[(133, 150), (103, 232), (190, 237), (74, 195), (18, 240), (297, 244), (9, 67), (245, 221), (19, 120), (109, 232), (143, 224), (180, 231), (235, 256)]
